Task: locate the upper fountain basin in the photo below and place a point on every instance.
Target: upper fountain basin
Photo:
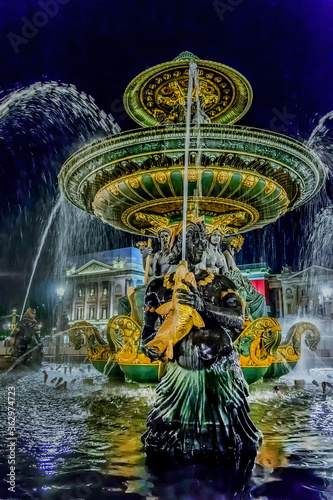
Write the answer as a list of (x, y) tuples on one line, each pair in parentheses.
[(249, 177)]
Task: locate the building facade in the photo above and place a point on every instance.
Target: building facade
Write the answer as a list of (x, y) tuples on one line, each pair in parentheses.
[(306, 293), (94, 286)]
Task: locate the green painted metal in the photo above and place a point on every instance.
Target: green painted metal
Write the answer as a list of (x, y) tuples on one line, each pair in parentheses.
[(288, 162), (253, 374), (277, 370), (149, 373), (115, 372), (140, 373)]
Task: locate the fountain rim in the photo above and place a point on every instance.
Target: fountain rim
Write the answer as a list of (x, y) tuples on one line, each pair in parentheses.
[(124, 133), (216, 126), (252, 135)]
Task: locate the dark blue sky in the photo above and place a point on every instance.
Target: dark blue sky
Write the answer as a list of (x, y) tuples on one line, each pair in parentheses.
[(283, 47)]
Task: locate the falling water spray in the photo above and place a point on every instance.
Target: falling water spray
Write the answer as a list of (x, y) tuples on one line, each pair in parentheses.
[(40, 248), (192, 72)]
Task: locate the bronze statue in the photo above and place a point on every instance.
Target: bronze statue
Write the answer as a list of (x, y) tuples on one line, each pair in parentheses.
[(154, 264), (201, 408), (159, 263), (25, 337), (233, 245), (215, 259), (255, 302)]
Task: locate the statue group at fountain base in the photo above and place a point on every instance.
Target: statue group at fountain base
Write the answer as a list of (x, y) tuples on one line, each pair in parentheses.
[(198, 329), (25, 341)]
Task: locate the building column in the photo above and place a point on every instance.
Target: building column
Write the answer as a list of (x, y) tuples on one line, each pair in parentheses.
[(98, 299), (111, 298), (74, 300), (284, 304), (85, 313), (281, 311)]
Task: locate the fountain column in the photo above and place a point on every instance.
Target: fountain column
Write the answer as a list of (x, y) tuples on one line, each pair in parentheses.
[(192, 71)]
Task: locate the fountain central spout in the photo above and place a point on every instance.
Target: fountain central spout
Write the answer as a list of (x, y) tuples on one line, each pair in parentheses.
[(193, 83)]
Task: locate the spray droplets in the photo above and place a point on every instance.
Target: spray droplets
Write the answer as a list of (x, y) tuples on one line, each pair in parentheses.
[(320, 250), (321, 141), (47, 111)]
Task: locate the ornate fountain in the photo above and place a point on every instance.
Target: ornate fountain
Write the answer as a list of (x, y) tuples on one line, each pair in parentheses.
[(191, 178), (239, 179)]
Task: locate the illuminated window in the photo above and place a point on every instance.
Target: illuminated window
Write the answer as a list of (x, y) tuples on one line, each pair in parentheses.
[(79, 312), (105, 288), (80, 290), (104, 312), (91, 312)]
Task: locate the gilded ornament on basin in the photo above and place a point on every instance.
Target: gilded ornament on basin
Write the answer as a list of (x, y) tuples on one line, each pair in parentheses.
[(113, 188), (250, 181), (222, 177), (134, 182), (270, 187), (161, 177), (192, 175)]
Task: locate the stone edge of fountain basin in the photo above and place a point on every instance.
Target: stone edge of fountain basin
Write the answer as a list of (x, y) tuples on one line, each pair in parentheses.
[(302, 164)]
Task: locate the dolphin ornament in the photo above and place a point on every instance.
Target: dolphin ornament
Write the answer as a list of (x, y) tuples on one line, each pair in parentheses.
[(179, 318)]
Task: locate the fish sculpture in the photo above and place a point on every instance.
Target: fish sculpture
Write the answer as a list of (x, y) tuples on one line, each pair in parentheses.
[(179, 318)]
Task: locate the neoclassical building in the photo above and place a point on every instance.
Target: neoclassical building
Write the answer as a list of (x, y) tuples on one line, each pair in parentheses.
[(95, 284), (294, 293)]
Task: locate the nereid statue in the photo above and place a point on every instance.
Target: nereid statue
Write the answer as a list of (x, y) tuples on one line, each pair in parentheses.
[(159, 261), (255, 302), (215, 259)]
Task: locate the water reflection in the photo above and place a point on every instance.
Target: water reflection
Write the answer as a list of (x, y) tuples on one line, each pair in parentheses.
[(84, 442)]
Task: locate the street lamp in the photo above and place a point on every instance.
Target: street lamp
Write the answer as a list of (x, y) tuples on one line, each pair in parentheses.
[(14, 318), (60, 293)]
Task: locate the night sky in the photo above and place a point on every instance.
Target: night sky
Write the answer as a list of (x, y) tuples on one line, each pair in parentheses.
[(284, 48)]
